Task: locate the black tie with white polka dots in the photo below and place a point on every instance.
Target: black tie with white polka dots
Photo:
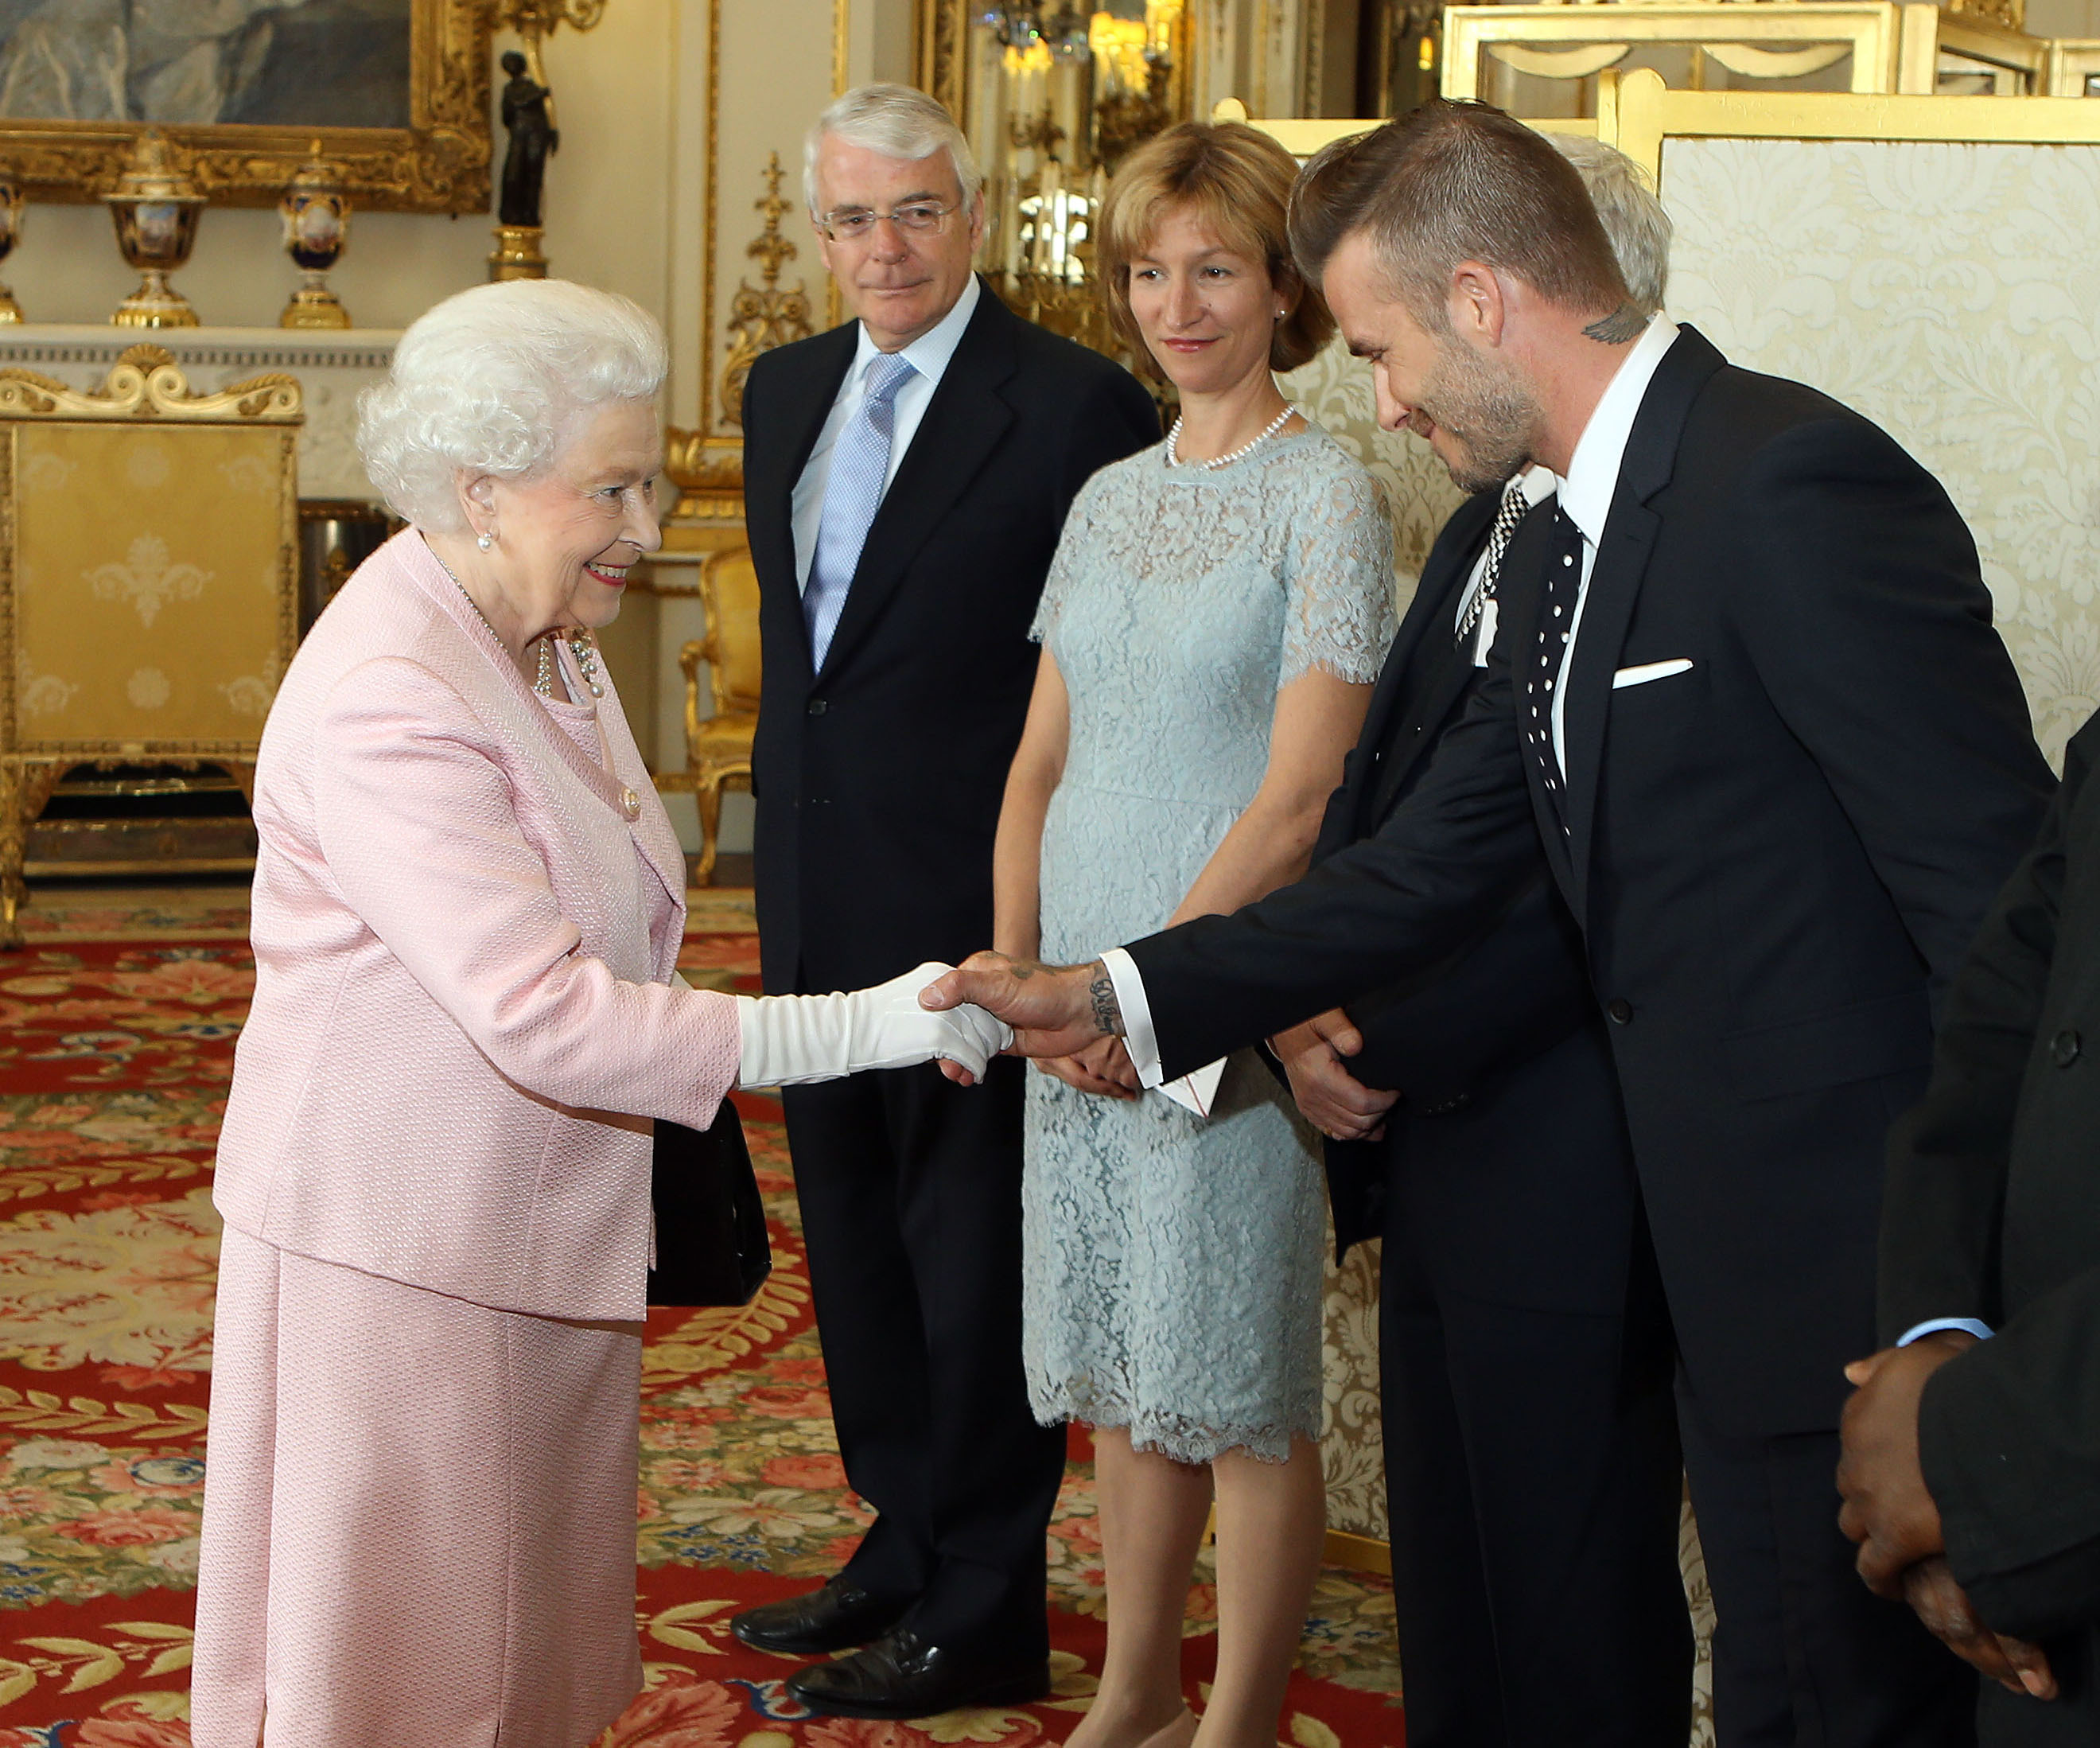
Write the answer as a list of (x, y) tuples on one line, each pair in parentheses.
[(1556, 620)]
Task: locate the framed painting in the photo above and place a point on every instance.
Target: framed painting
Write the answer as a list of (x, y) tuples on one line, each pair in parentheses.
[(396, 91)]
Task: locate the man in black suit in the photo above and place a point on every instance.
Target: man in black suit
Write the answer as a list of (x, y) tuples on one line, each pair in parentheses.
[(906, 477), (1746, 692), (1969, 1467), (1476, 1123)]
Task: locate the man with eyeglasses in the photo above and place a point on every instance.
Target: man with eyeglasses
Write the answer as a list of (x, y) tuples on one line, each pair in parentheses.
[(906, 477)]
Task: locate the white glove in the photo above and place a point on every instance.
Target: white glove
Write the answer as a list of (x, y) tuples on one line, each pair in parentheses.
[(791, 1040)]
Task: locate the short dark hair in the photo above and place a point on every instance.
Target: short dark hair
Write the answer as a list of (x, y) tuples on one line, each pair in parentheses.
[(1455, 182)]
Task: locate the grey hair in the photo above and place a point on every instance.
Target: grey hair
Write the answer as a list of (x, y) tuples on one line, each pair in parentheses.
[(1633, 218), (493, 381), (899, 123)]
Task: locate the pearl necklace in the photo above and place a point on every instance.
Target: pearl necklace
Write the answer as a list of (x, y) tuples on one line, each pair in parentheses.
[(1268, 432), (580, 646), (586, 654)]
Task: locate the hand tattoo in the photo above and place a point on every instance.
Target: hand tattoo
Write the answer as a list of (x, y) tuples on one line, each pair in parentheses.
[(1624, 323), (1108, 1011)]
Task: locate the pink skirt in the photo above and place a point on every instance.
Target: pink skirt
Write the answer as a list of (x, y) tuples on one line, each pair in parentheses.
[(418, 1517)]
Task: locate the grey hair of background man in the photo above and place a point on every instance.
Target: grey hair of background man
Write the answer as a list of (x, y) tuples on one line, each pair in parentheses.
[(1633, 218), (897, 121), (496, 380)]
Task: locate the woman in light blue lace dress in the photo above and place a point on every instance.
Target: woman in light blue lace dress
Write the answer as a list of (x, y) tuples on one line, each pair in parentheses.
[(1217, 611)]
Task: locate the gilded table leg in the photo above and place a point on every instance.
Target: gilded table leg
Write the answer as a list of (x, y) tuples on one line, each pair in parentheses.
[(13, 831), (24, 790)]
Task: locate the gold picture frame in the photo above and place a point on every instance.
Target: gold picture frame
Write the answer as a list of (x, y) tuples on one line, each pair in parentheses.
[(440, 163)]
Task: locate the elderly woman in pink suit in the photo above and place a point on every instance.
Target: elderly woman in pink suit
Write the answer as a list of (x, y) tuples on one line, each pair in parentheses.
[(419, 1518)]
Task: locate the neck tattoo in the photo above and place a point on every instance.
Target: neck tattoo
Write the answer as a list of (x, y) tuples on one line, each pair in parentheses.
[(1624, 323)]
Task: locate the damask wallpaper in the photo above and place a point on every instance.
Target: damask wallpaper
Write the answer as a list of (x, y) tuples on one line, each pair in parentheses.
[(1335, 390), (1947, 292)]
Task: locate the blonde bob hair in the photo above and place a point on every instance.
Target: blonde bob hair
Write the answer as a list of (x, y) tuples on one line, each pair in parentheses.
[(1235, 183)]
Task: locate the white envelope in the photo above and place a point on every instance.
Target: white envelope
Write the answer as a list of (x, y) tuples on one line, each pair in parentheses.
[(1651, 670), (1196, 1091)]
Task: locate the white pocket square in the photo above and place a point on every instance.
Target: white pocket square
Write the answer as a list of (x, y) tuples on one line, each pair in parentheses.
[(1650, 670)]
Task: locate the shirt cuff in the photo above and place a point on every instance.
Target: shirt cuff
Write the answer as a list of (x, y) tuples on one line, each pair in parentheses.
[(1933, 1325), (1137, 1036)]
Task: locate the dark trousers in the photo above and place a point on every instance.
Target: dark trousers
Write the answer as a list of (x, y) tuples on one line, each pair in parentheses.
[(910, 1194), (1803, 1653), (1532, 1477)]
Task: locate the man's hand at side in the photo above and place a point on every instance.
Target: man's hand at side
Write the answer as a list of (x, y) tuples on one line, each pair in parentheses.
[(1337, 1104), (1054, 1010), (1930, 1589), (1888, 1509)]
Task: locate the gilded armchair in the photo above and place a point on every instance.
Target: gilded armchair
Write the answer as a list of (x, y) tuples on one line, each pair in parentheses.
[(148, 580), (718, 745)]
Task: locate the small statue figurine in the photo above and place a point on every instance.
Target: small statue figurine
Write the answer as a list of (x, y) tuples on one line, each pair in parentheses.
[(532, 136)]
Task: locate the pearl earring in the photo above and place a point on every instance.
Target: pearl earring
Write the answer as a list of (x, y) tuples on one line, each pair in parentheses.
[(484, 541)]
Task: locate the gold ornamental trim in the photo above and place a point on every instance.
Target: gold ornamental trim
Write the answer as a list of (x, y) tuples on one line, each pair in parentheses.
[(440, 163), (146, 383), (763, 316)]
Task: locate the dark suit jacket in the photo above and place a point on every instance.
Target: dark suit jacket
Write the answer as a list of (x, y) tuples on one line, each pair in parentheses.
[(1453, 1037), (1777, 858), (1993, 1212), (878, 781)]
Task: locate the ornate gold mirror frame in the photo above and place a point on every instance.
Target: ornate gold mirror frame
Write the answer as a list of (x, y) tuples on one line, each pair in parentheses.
[(437, 164)]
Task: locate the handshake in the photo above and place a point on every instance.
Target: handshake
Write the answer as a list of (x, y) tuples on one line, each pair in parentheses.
[(959, 1017), (1061, 1011), (794, 1040), (963, 1016)]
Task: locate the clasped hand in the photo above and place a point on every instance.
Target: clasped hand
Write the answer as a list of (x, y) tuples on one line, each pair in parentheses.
[(1337, 1104), (1890, 1512)]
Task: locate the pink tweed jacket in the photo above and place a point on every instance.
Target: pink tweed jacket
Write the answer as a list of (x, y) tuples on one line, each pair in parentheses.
[(466, 933)]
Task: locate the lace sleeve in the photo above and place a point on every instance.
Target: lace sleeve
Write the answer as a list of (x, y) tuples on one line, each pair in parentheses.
[(1071, 543), (1340, 616)]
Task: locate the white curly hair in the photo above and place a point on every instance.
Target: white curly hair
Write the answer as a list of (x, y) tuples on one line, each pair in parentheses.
[(493, 381)]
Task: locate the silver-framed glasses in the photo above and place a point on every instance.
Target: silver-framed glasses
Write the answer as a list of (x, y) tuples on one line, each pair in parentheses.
[(855, 224)]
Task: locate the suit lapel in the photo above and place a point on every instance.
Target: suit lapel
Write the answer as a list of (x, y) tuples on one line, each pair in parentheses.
[(804, 402), (1432, 615), (962, 426), (1615, 582)]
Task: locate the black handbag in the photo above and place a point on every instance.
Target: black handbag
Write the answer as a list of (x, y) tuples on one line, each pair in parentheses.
[(711, 1243)]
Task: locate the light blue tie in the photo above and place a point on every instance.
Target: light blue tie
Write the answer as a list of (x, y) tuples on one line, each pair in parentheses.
[(860, 464)]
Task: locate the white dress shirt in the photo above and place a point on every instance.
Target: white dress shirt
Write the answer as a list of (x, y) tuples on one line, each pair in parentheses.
[(928, 357), (1586, 496), (1593, 481)]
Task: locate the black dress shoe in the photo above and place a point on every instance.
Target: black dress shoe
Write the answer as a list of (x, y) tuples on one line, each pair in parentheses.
[(902, 1675), (837, 1617)]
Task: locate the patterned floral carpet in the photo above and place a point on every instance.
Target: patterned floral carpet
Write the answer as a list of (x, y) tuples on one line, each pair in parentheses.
[(117, 1030)]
